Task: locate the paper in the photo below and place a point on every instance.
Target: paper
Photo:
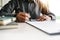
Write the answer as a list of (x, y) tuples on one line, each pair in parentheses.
[(47, 26)]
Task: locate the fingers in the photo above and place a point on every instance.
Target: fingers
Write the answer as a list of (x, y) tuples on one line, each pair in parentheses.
[(24, 14), (28, 15), (47, 18), (22, 17), (41, 18), (44, 18)]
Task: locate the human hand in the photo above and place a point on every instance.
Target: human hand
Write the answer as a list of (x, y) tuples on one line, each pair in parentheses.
[(43, 18), (22, 17)]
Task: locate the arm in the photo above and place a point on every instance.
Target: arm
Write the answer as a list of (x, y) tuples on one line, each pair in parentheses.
[(46, 11), (8, 8), (51, 15)]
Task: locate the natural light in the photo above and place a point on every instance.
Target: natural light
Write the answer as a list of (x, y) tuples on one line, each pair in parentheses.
[(54, 6)]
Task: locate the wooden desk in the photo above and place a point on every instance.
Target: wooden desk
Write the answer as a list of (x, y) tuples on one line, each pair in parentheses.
[(26, 32)]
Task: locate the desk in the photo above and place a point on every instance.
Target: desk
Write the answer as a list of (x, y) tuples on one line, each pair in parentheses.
[(26, 32)]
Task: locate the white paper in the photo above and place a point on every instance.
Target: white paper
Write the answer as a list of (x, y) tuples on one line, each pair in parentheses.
[(47, 26)]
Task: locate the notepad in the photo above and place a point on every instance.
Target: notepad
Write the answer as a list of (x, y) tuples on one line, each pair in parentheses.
[(49, 27), (6, 20)]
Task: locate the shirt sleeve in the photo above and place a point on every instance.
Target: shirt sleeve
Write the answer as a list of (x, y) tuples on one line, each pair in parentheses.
[(8, 8), (53, 17)]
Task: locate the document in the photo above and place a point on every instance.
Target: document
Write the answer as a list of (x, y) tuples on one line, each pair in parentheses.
[(50, 27)]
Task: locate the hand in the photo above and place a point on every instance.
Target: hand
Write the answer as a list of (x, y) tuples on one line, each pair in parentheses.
[(43, 18), (22, 17)]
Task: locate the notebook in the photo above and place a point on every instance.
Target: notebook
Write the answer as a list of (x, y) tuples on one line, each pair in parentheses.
[(12, 25), (6, 20), (49, 27)]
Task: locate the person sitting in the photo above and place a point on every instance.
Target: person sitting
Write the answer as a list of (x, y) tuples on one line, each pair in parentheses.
[(27, 9)]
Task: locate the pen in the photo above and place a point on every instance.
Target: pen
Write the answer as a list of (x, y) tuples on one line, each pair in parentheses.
[(29, 19)]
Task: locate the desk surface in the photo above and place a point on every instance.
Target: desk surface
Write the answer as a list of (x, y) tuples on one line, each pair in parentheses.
[(26, 32)]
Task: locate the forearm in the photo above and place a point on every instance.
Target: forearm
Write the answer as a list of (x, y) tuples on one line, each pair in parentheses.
[(51, 15)]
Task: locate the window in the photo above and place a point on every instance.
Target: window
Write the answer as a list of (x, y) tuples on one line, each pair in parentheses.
[(0, 3), (54, 6)]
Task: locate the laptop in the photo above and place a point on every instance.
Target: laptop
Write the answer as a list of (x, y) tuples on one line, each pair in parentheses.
[(49, 27)]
